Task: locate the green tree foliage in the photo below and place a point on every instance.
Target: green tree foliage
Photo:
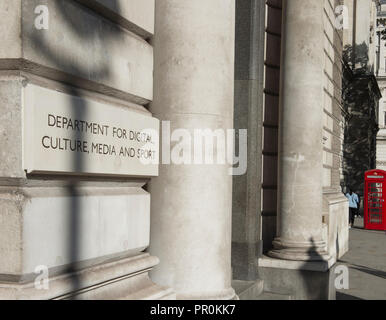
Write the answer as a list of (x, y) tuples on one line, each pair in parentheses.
[(381, 22)]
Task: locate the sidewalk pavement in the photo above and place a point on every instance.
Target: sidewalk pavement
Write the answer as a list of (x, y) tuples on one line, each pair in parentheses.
[(366, 260)]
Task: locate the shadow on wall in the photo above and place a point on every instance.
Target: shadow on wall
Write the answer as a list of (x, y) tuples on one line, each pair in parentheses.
[(70, 14), (360, 98)]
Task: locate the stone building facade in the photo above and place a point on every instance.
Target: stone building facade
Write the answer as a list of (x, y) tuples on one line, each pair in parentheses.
[(380, 72), (103, 230), (86, 60), (361, 95)]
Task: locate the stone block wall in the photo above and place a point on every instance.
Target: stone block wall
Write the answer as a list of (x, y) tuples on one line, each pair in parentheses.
[(96, 51), (333, 133), (335, 205)]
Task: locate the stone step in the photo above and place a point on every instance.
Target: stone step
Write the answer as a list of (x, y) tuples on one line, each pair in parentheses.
[(248, 290)]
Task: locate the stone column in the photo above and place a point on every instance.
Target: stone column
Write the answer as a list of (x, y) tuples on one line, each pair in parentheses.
[(191, 204), (299, 230)]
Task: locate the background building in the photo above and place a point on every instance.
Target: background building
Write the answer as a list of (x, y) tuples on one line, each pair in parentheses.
[(361, 95), (381, 77)]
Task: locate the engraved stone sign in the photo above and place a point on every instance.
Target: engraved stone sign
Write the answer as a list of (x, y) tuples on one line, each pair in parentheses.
[(65, 134)]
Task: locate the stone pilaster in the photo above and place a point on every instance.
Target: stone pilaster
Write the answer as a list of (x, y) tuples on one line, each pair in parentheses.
[(249, 79)]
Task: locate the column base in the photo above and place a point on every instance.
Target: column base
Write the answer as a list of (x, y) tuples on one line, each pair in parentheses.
[(299, 251), (312, 280)]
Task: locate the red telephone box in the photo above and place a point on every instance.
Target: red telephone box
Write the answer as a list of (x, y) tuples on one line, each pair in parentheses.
[(374, 200)]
